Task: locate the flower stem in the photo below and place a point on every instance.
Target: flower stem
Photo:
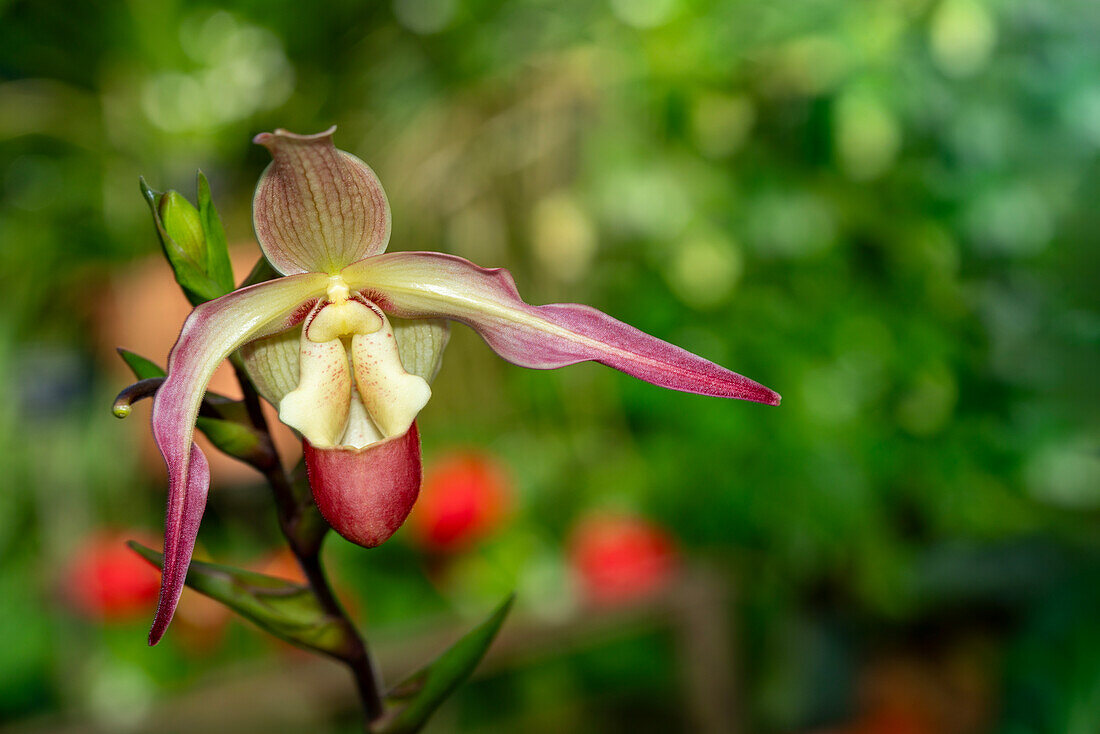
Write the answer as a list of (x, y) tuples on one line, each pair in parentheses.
[(305, 542)]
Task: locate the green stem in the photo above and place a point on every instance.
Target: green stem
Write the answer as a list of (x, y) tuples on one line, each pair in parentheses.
[(305, 542)]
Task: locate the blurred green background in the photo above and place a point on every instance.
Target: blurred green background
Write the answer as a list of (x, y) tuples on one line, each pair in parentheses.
[(886, 210)]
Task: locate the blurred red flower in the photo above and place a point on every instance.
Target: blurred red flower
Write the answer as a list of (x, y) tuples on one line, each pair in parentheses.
[(106, 580), (621, 558), (464, 498)]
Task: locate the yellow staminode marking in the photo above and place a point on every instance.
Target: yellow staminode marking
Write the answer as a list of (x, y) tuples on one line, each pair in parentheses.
[(346, 318), (338, 290)]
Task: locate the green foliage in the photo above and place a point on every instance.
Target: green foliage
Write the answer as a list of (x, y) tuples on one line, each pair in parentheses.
[(217, 265), (143, 369), (412, 702), (287, 610)]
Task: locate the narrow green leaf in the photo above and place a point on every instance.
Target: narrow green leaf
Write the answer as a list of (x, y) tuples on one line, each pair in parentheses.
[(235, 439), (285, 609), (219, 269), (414, 700), (142, 368)]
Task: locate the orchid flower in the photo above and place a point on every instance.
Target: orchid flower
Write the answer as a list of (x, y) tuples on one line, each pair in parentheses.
[(346, 343)]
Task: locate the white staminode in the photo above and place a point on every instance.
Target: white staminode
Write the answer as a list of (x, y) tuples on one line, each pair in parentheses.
[(351, 400)]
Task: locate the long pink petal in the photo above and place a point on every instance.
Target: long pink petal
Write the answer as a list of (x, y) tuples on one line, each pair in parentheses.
[(366, 494), (429, 284), (316, 208), (188, 508), (212, 331)]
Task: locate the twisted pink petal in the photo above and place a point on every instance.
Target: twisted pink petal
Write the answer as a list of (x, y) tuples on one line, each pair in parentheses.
[(430, 284), (212, 331), (180, 531)]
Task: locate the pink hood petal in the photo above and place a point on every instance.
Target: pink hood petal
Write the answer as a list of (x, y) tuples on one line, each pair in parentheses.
[(210, 334), (366, 494), (316, 208), (429, 284)]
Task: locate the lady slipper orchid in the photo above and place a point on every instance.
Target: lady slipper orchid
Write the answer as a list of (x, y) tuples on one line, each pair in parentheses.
[(347, 341)]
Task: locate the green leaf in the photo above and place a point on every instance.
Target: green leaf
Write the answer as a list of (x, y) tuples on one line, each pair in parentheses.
[(412, 702), (219, 268), (236, 439), (188, 265), (142, 368), (223, 420), (285, 609)]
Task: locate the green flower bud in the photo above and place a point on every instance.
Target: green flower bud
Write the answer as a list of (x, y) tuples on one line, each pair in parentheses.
[(193, 240), (184, 226)]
